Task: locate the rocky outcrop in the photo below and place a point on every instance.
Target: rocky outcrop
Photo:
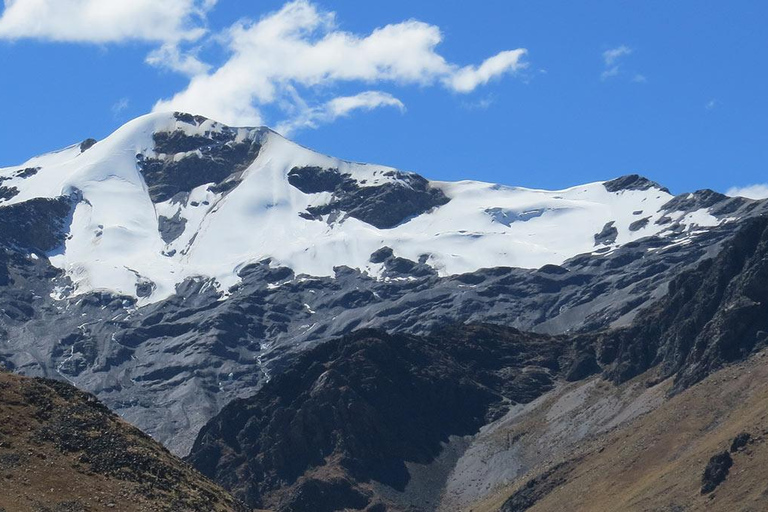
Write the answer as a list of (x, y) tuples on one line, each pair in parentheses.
[(632, 182), (538, 487), (383, 206), (714, 314), (36, 225), (716, 472), (182, 162)]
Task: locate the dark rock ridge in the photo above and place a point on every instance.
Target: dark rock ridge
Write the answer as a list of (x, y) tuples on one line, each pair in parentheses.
[(740, 441), (38, 224), (366, 404), (87, 144), (538, 487), (714, 314), (632, 182), (213, 158), (384, 206)]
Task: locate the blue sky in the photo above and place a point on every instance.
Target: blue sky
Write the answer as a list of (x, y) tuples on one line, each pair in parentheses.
[(672, 90)]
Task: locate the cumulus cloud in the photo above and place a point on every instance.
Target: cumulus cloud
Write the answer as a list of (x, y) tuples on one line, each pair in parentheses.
[(757, 191), (612, 61), (301, 46), (102, 21), (269, 64)]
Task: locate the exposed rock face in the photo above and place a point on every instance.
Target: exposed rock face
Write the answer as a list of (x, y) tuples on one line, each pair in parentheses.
[(716, 472), (186, 162), (364, 405), (87, 144), (632, 182), (740, 441), (536, 488), (39, 224), (190, 355), (313, 180), (607, 235), (713, 314), (384, 206), (367, 405), (60, 447)]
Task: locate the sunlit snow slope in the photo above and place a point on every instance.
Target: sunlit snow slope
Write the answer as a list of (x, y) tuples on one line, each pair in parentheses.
[(146, 216)]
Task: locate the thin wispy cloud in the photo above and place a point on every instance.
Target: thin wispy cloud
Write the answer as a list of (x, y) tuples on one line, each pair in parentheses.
[(756, 191), (343, 106), (120, 106), (711, 104), (613, 64), (480, 104)]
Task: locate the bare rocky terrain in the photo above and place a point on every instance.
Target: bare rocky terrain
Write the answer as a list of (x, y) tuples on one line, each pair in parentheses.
[(61, 450), (170, 366), (481, 417), (625, 378)]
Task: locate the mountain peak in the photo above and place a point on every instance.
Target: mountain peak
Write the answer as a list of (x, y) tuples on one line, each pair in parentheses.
[(173, 196), (632, 182)]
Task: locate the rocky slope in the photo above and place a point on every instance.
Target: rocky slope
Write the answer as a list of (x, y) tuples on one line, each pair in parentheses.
[(177, 264), (62, 450), (704, 449), (392, 422), (352, 412)]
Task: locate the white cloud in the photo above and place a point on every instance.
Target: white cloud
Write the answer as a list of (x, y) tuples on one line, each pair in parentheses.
[(610, 57), (468, 78), (480, 104), (711, 104), (343, 106), (757, 191), (120, 106), (301, 46), (169, 56), (270, 63), (612, 62), (104, 21)]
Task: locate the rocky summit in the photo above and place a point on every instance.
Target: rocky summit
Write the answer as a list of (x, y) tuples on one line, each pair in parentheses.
[(317, 334)]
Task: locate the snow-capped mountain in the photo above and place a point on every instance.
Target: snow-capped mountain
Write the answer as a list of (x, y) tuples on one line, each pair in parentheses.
[(169, 197), (180, 263)]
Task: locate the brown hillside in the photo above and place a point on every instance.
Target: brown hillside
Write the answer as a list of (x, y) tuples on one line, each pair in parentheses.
[(63, 451), (656, 462)]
